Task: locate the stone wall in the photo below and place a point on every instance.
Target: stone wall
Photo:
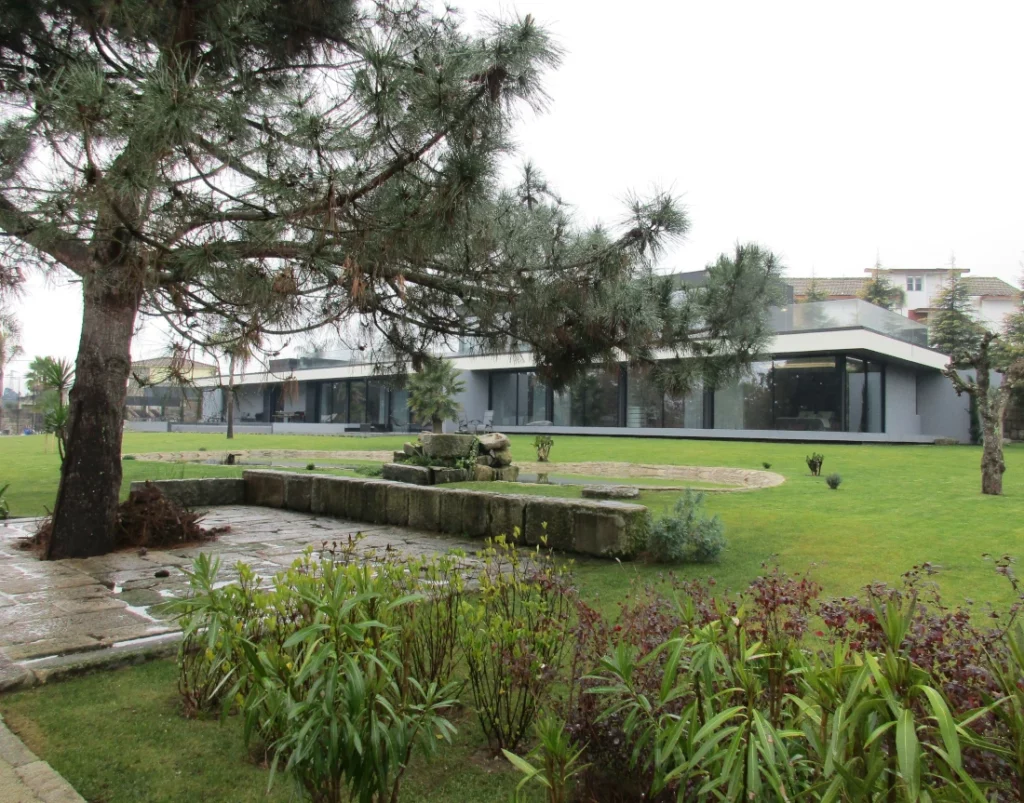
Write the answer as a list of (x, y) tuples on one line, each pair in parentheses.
[(208, 492), (605, 529)]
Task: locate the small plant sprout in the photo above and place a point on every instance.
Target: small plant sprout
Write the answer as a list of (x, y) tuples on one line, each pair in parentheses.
[(766, 465), (310, 466), (833, 480), (814, 463), (543, 444)]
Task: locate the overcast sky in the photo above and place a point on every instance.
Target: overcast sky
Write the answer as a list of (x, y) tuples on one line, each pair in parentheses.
[(828, 132)]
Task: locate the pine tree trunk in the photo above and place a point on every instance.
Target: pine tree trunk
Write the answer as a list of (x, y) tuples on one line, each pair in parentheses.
[(2, 398), (229, 403), (85, 513), (991, 413)]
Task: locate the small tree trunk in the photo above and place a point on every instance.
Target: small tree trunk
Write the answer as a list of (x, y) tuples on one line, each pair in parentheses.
[(1, 398), (229, 403), (85, 513), (990, 410), (438, 425)]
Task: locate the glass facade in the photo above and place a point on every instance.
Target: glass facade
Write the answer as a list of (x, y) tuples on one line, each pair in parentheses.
[(363, 401), (519, 398), (828, 393)]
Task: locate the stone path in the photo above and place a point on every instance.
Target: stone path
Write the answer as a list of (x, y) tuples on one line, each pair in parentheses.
[(26, 779), (86, 610), (738, 479)]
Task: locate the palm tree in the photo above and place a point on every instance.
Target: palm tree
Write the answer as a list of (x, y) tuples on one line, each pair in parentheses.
[(432, 392), (239, 347), (53, 377), (10, 347)]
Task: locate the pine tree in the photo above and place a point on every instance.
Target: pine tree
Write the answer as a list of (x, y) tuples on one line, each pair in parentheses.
[(955, 331), (815, 293), (881, 292), (10, 348), (279, 166)]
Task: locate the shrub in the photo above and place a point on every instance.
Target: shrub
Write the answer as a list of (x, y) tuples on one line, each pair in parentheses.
[(310, 466), (558, 757), (203, 449), (686, 696), (340, 669), (543, 444), (833, 480), (814, 463), (687, 535), (514, 638), (5, 508), (128, 457), (370, 471), (766, 465)]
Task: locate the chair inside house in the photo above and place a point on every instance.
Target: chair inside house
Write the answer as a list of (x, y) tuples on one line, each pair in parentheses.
[(488, 422)]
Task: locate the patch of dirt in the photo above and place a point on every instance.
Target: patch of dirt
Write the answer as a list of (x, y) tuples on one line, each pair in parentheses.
[(738, 479), (263, 454)]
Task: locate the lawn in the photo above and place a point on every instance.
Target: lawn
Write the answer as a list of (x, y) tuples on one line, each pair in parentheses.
[(897, 506)]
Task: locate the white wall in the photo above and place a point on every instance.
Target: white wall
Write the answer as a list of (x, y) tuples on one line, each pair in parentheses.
[(993, 311), (943, 413), (901, 402)]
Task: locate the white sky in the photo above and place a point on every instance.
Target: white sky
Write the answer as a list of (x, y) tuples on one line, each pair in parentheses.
[(828, 132)]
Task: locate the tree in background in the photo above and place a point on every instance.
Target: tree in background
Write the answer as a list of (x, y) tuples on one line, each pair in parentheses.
[(955, 331), (432, 392), (879, 291), (814, 292), (239, 347), (283, 166), (51, 379), (10, 348)]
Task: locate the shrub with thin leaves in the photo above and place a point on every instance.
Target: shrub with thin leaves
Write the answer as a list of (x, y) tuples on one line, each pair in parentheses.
[(687, 535), (515, 634)]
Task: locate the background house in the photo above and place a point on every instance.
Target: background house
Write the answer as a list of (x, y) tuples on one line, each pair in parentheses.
[(161, 389), (993, 298)]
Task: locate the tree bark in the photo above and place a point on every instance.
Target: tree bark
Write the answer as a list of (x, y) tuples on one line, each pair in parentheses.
[(990, 411), (229, 403), (2, 368), (85, 513)]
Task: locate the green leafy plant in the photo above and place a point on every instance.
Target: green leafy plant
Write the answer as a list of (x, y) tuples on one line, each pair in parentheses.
[(514, 638), (310, 466), (128, 457), (370, 471), (5, 508), (543, 444), (833, 481), (687, 535), (766, 465), (432, 392), (556, 761), (814, 462)]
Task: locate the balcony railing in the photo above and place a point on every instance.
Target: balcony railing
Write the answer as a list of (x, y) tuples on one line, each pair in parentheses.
[(849, 313)]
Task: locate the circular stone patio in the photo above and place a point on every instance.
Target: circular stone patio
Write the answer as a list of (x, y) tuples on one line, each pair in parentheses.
[(730, 479)]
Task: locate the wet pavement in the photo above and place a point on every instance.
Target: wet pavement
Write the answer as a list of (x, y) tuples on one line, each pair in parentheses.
[(83, 606)]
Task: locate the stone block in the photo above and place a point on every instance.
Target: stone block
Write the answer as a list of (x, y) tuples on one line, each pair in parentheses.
[(507, 474), (483, 460), (375, 501), (399, 457), (412, 449), (447, 447), (501, 458), (506, 514), (474, 514), (208, 492), (328, 496), (552, 520), (398, 504), (298, 492), (483, 474), (355, 492), (611, 529), (424, 508), (450, 511), (610, 492), (264, 488), (494, 442), (402, 472), (442, 476)]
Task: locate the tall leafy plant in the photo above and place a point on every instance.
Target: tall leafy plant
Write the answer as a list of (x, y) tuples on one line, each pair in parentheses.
[(432, 392)]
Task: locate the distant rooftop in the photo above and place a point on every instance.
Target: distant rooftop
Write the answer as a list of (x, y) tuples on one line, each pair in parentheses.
[(851, 285)]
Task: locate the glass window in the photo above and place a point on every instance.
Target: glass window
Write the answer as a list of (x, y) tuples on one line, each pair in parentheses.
[(599, 405), (522, 400), (400, 419), (863, 396), (875, 381), (807, 395), (644, 399), (377, 404), (537, 400), (357, 401), (746, 403), (685, 411), (503, 398)]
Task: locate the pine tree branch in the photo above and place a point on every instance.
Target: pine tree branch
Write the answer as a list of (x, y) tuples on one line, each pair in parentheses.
[(66, 250)]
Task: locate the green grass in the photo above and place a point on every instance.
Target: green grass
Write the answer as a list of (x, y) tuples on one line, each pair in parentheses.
[(139, 748), (897, 506)]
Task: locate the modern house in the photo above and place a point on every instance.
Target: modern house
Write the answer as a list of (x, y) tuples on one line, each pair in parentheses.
[(841, 370), (993, 299), (160, 389)]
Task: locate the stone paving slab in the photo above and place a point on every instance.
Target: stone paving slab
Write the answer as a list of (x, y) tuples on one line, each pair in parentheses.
[(85, 606), (26, 779)]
